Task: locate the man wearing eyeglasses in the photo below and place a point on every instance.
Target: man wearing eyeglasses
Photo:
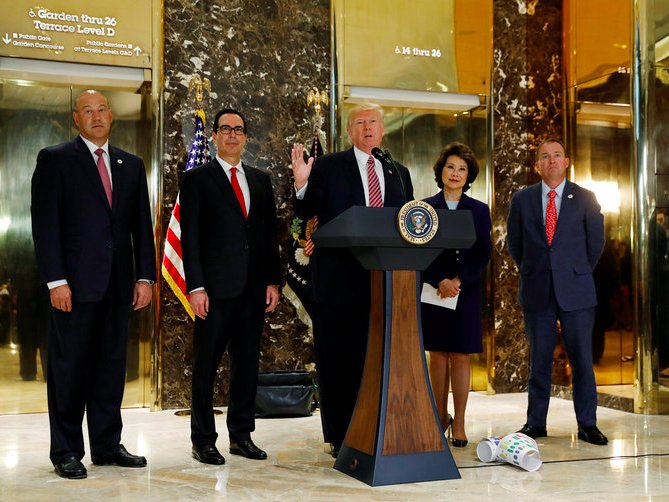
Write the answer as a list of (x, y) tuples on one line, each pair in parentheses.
[(231, 261), (93, 238)]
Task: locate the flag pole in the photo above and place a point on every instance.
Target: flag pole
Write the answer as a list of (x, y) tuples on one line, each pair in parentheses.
[(298, 276), (172, 266)]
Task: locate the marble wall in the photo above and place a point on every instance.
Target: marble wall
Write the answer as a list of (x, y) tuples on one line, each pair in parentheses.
[(261, 56), (526, 106)]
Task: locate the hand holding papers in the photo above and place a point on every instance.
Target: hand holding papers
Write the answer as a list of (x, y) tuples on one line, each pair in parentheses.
[(429, 295)]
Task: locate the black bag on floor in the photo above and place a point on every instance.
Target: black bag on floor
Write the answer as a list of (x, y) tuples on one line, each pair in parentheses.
[(285, 394)]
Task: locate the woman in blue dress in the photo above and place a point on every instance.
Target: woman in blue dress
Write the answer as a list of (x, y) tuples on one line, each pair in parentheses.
[(450, 335)]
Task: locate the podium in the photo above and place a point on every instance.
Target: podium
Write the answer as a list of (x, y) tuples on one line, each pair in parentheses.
[(395, 435)]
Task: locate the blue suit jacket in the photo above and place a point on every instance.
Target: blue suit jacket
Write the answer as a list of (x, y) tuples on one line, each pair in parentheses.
[(334, 186), (77, 235), (568, 263)]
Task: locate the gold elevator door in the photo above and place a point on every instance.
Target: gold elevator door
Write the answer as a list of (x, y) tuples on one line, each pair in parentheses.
[(35, 113)]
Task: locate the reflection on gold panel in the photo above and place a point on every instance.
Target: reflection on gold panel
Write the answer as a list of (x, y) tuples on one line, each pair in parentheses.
[(473, 45), (425, 45), (600, 39), (33, 115), (399, 45)]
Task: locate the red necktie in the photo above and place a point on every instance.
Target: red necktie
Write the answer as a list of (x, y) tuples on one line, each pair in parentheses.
[(375, 198), (237, 189), (551, 216), (104, 175)]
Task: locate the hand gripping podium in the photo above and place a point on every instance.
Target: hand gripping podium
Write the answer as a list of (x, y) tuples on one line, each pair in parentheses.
[(394, 435)]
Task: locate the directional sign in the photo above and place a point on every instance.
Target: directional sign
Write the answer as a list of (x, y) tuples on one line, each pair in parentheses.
[(117, 33)]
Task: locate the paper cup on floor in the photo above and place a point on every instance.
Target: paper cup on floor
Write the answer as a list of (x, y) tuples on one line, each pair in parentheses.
[(487, 448), (521, 450)]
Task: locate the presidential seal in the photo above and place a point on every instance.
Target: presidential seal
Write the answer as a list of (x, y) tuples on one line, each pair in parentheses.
[(418, 222)]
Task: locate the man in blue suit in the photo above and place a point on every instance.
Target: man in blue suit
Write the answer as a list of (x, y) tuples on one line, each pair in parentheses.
[(340, 287), (555, 235), (91, 224)]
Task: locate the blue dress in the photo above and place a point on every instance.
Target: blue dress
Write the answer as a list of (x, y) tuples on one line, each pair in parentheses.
[(459, 330)]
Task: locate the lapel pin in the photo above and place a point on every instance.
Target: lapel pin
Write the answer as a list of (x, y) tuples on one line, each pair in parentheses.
[(119, 161), (570, 196)]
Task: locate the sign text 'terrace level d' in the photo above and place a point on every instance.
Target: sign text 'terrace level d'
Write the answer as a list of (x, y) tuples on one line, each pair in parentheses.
[(117, 33)]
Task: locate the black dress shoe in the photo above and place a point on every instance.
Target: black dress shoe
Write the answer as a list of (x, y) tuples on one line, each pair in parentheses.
[(120, 457), (70, 468), (592, 435), (533, 432), (247, 449), (208, 454), (335, 451)]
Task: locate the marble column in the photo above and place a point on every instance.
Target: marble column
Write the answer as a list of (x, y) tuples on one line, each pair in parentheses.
[(261, 57), (527, 105)]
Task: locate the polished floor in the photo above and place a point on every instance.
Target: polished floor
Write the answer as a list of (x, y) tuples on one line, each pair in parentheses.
[(633, 466), (614, 373)]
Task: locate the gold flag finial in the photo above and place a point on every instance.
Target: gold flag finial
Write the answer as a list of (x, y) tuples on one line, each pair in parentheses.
[(316, 97), (200, 85)]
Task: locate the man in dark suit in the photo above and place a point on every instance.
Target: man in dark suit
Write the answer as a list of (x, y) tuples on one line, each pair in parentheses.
[(340, 286), (555, 234), (231, 260), (93, 240)]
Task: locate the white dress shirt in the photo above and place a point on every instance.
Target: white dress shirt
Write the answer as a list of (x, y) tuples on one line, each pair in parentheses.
[(558, 198), (361, 158), (241, 178)]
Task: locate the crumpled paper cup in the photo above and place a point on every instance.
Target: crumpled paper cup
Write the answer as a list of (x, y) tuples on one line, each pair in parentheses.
[(487, 449), (521, 450)]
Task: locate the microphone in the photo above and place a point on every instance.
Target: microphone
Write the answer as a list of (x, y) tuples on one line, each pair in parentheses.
[(386, 159)]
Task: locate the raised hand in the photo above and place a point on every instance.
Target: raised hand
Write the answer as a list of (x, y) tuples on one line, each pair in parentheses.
[(301, 169)]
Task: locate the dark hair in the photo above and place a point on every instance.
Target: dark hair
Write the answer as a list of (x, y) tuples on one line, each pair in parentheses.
[(225, 111), (549, 140), (466, 154)]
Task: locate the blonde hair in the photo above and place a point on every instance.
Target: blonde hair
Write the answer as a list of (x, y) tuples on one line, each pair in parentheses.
[(362, 107)]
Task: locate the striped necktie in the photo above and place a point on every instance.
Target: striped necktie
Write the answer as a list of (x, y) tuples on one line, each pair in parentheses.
[(375, 198)]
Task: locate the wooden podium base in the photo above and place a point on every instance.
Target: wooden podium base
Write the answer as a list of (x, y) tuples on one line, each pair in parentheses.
[(395, 435)]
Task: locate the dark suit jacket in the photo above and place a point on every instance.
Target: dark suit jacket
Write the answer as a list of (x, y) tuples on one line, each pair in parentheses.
[(334, 186), (567, 263), (77, 235), (222, 251), (463, 324)]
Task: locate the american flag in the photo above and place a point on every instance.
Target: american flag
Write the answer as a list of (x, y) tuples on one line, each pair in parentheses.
[(173, 267)]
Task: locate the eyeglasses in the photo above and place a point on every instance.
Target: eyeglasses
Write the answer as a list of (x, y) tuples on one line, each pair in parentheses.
[(227, 130)]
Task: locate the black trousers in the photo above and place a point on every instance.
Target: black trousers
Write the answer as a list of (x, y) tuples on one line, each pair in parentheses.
[(236, 325), (340, 344), (86, 372)]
